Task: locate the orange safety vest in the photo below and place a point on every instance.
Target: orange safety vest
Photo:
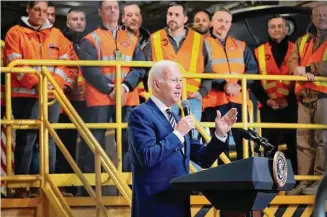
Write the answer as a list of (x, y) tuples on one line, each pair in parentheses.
[(45, 44), (308, 57), (105, 44), (225, 61), (189, 55), (267, 66)]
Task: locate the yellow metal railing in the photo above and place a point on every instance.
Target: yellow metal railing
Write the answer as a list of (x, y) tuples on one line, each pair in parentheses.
[(244, 124), (46, 127)]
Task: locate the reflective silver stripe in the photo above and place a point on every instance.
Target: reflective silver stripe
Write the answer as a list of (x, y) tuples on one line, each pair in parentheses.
[(69, 80), (230, 60), (23, 90), (126, 58), (108, 58), (209, 50), (20, 76), (64, 57), (13, 56), (61, 73), (97, 43), (51, 68), (37, 68), (236, 60)]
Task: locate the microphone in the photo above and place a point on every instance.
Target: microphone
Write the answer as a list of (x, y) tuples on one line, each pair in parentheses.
[(261, 141), (187, 111)]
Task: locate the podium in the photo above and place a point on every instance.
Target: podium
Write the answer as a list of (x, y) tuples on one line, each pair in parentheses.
[(244, 185)]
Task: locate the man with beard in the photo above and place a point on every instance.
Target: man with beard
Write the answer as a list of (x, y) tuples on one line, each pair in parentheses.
[(277, 98), (202, 22), (132, 19), (309, 59), (186, 47), (74, 90), (229, 56)]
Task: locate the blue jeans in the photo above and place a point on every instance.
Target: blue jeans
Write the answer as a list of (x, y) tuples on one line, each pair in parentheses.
[(196, 110), (27, 140)]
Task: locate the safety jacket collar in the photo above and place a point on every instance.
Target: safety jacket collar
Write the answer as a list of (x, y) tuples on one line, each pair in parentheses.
[(105, 28), (144, 34), (167, 32), (26, 23), (74, 36), (273, 42), (213, 35)]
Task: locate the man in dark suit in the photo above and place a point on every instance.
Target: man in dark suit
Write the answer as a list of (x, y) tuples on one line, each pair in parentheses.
[(161, 148)]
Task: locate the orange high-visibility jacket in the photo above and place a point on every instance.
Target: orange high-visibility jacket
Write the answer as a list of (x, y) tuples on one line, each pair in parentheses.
[(105, 44), (229, 60), (189, 55), (48, 43), (307, 58), (267, 66)]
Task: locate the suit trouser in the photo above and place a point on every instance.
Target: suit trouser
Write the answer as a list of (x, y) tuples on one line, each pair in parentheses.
[(211, 114), (28, 108), (286, 115), (104, 114), (312, 144)]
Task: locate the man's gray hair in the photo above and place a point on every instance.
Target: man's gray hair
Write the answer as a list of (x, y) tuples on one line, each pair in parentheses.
[(158, 68)]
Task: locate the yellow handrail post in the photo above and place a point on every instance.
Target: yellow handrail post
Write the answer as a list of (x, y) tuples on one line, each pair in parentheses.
[(41, 133), (97, 159), (245, 116), (44, 89), (251, 116), (9, 127), (119, 117)]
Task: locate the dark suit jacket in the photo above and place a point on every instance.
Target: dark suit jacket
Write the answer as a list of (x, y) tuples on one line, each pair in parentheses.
[(157, 158)]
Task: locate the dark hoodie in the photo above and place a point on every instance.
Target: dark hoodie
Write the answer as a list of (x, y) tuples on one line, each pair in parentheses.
[(74, 37)]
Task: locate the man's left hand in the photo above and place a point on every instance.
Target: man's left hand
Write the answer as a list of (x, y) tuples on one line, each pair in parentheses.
[(112, 95), (225, 123)]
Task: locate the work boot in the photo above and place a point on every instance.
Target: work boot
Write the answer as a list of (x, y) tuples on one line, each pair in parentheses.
[(312, 189), (298, 189)]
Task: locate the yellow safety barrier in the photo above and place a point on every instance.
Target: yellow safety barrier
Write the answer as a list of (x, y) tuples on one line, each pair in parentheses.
[(101, 158)]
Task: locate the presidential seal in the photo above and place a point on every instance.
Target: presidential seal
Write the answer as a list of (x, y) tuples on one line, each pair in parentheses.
[(280, 169)]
